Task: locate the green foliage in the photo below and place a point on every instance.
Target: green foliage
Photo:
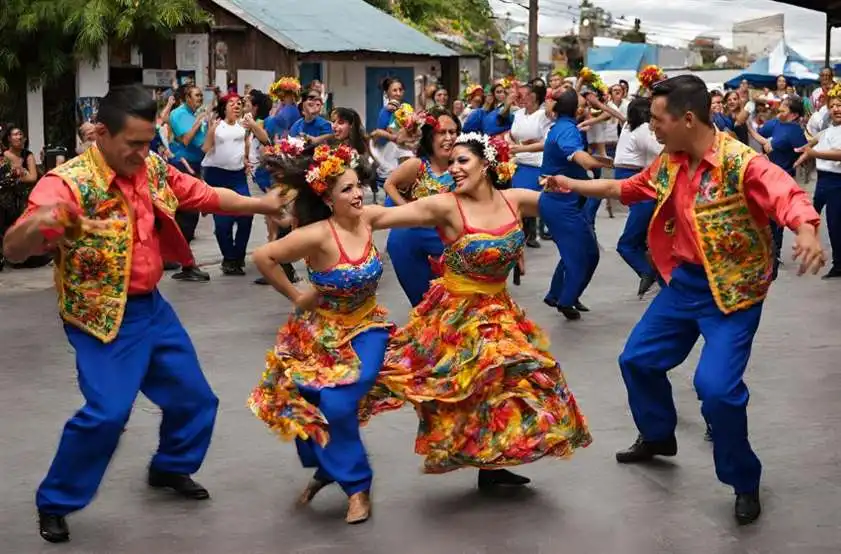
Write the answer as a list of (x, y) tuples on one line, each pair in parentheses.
[(635, 35), (471, 19), (40, 40)]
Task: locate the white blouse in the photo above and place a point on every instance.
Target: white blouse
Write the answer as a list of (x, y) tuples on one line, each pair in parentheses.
[(830, 139), (637, 148), (228, 150), (530, 127)]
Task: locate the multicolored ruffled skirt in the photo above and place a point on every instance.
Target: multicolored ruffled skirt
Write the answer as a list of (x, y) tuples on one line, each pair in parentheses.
[(313, 351), (486, 389)]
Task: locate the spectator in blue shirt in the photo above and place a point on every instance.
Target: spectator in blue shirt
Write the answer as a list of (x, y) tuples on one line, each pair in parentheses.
[(312, 127), (780, 138), (188, 123), (278, 125), (565, 153), (498, 120)]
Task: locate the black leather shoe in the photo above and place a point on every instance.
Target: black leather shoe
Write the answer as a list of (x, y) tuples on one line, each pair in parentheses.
[(570, 312), (832, 274), (532, 243), (643, 450), (192, 274), (747, 508), (581, 307), (182, 484), (491, 478), (53, 528), (646, 282)]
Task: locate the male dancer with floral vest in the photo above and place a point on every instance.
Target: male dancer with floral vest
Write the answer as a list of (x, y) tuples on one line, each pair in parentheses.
[(709, 238), (110, 213)]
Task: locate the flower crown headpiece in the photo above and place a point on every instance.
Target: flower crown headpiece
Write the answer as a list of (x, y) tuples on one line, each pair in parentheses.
[(289, 146), (561, 72), (406, 118), (495, 151), (835, 91), (649, 75), (284, 85), (329, 163), (593, 79), (473, 90)]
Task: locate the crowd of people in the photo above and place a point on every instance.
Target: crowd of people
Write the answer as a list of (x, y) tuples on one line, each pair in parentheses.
[(467, 193)]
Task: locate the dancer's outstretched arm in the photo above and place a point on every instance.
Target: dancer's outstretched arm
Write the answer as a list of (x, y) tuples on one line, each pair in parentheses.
[(433, 211)]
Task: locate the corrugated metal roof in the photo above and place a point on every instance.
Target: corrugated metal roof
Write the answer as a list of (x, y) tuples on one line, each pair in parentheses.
[(333, 26)]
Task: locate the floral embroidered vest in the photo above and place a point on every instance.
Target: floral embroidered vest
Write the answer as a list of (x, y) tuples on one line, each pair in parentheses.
[(735, 250), (92, 272)]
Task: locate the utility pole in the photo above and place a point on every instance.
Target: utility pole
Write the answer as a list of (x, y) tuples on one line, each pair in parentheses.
[(533, 39)]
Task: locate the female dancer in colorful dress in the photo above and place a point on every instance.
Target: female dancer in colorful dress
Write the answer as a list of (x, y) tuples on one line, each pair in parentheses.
[(411, 250), (328, 354), (486, 389)]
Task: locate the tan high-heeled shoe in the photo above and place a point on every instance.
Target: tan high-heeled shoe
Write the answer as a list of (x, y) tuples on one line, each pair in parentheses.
[(311, 490), (359, 508)]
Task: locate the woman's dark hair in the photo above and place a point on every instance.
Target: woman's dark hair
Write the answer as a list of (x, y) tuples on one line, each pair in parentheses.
[(357, 138), (639, 112), (685, 93), (388, 81), (222, 103), (308, 207), (425, 148), (478, 150), (539, 90), (7, 133), (304, 95), (566, 104), (262, 102), (121, 102)]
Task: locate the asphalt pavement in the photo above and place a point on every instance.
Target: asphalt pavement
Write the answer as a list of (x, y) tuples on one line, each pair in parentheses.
[(588, 504)]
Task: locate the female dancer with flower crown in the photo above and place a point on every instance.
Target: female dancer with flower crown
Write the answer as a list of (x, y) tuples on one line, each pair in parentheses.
[(328, 354), (412, 250), (486, 389)]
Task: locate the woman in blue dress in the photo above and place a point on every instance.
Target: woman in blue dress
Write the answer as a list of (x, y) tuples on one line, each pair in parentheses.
[(413, 250)]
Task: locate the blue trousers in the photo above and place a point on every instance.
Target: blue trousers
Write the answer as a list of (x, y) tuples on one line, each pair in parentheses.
[(663, 339), (233, 244), (591, 210), (576, 244), (828, 195), (152, 354), (344, 460), (633, 244), (409, 250)]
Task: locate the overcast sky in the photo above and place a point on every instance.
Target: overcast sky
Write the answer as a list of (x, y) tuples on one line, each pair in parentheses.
[(676, 21)]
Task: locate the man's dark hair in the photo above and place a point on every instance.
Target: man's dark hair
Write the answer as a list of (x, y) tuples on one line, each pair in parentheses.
[(795, 106), (566, 104), (685, 93), (123, 102)]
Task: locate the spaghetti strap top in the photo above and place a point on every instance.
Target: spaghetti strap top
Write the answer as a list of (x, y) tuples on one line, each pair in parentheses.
[(470, 230), (348, 284)]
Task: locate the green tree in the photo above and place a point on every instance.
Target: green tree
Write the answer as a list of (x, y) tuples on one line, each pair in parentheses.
[(40, 40)]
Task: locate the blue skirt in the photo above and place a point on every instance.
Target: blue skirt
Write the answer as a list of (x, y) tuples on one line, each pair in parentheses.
[(526, 177)]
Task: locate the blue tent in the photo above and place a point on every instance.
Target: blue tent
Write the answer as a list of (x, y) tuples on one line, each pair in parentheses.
[(782, 60), (624, 56)]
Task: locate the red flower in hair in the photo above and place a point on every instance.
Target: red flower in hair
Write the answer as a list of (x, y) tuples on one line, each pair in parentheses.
[(503, 151)]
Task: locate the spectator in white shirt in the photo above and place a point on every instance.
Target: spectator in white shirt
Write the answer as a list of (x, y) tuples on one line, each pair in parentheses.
[(637, 149), (825, 149), (528, 131), (224, 165)]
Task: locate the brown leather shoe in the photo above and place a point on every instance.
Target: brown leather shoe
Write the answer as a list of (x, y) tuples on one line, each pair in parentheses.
[(313, 487), (359, 508)]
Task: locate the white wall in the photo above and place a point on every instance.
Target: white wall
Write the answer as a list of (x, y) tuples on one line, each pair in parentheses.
[(346, 80), (35, 121), (90, 80)]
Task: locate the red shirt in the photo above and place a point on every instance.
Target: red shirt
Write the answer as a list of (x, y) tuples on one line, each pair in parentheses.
[(146, 263), (769, 190)]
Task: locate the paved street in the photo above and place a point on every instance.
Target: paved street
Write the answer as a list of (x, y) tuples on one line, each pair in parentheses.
[(588, 505)]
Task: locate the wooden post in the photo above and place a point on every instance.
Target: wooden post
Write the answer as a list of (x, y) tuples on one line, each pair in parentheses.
[(533, 39)]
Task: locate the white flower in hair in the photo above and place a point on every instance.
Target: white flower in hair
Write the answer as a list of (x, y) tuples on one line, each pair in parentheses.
[(489, 150)]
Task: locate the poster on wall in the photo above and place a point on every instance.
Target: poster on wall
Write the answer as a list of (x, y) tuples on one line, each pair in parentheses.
[(191, 54), (248, 79), (86, 108)]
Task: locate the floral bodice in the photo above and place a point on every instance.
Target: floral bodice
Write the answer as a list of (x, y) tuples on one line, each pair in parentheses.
[(486, 255), (348, 285), (429, 184)]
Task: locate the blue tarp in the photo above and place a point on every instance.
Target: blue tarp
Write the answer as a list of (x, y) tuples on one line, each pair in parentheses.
[(797, 70), (626, 56)]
